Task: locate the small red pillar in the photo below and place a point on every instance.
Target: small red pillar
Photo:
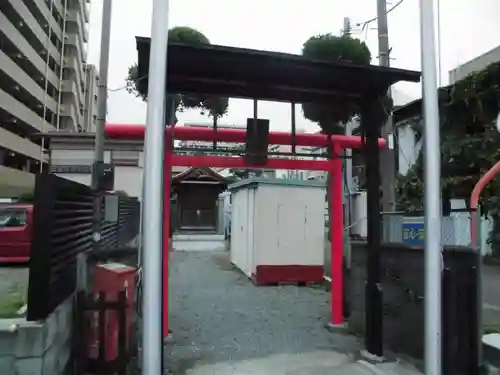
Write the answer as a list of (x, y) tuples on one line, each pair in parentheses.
[(337, 235)]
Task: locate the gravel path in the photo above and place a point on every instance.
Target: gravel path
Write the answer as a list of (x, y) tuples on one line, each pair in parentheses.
[(218, 315), (13, 276)]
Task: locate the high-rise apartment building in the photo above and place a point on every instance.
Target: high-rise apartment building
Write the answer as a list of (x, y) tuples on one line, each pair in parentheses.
[(42, 79)]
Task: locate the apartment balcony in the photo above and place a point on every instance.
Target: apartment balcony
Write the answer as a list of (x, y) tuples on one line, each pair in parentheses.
[(81, 28), (41, 11), (75, 41), (71, 64), (16, 44), (19, 14), (12, 75), (14, 182), (82, 6), (79, 43), (85, 10), (69, 89), (58, 6), (13, 142), (13, 111), (68, 118)]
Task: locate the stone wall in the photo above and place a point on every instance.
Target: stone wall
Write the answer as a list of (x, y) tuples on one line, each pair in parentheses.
[(403, 298), (32, 348)]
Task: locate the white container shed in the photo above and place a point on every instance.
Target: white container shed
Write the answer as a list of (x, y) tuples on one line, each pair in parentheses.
[(277, 230)]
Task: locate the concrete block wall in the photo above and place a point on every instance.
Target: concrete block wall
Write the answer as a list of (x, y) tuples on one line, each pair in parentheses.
[(37, 348), (402, 269)]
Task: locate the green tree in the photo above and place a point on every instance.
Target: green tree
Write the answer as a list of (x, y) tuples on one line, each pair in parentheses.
[(216, 107), (240, 174), (470, 145), (328, 47)]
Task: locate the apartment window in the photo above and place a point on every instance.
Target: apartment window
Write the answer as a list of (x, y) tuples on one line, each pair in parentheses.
[(15, 161)]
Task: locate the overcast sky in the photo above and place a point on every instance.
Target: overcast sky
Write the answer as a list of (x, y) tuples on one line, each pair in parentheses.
[(467, 30)]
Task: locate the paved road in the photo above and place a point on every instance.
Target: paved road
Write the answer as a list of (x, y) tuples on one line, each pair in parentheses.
[(491, 295)]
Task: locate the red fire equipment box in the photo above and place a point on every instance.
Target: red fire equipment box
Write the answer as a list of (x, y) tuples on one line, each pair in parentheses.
[(111, 278)]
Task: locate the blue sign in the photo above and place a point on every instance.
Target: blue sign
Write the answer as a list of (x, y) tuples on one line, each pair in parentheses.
[(413, 233)]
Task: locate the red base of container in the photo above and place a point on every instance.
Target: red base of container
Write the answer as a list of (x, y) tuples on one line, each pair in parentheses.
[(287, 274)]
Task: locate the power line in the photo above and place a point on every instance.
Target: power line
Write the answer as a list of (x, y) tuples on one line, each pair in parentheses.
[(118, 89), (125, 87)]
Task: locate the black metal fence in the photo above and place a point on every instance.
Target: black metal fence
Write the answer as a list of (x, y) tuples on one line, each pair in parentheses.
[(63, 227), (402, 288)]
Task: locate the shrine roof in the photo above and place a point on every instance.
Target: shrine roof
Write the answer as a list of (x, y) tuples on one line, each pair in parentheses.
[(245, 73), (200, 174), (408, 111)]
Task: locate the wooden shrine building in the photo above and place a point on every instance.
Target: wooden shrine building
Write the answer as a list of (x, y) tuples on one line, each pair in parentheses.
[(195, 192)]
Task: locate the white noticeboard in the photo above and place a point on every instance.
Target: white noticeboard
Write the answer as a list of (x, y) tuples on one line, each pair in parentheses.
[(111, 206), (277, 223)]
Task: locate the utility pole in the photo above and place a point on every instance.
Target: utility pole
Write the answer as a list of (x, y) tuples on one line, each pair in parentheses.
[(387, 156), (348, 185), (102, 94), (348, 128)]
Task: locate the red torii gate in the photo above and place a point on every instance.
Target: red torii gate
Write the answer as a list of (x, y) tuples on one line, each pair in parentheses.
[(333, 166)]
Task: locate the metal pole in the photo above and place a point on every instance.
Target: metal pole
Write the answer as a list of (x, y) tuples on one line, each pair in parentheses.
[(432, 192), (387, 156), (102, 92), (152, 332), (438, 10)]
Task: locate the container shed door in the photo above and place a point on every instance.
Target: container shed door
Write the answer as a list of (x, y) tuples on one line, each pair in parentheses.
[(291, 234)]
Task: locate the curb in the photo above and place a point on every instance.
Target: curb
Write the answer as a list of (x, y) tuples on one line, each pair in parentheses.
[(491, 349)]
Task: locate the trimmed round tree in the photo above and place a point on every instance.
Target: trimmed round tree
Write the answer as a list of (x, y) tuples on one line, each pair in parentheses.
[(332, 116), (216, 107)]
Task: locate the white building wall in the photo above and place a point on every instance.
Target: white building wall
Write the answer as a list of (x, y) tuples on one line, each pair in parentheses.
[(408, 148), (474, 65)]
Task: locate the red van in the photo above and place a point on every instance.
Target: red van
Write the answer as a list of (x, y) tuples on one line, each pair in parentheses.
[(16, 221)]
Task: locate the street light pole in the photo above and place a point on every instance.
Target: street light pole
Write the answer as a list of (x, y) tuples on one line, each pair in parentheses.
[(432, 192), (152, 329)]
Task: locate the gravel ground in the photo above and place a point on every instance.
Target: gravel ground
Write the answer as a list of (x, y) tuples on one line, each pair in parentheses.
[(218, 315), (13, 276)]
